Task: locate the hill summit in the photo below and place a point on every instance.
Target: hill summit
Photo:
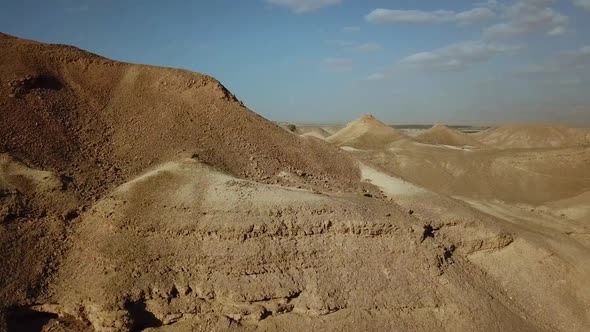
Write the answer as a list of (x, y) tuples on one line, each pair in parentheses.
[(366, 133), (441, 134)]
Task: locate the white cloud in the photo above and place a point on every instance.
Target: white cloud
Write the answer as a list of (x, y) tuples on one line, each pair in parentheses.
[(337, 64), (374, 77), (456, 56), (488, 4), (351, 29), (557, 31), (303, 6), (581, 54), (369, 47), (568, 63), (384, 16), (473, 15), (343, 43), (584, 4), (539, 69), (569, 81), (502, 29), (354, 45), (527, 16)]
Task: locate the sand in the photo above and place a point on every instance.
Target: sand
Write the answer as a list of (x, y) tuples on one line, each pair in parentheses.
[(539, 196), (390, 185), (531, 176), (314, 135), (314, 130), (534, 136), (365, 133), (249, 255), (86, 125), (140, 198), (109, 120), (443, 135)]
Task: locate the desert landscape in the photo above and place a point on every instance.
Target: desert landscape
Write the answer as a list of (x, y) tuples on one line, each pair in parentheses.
[(143, 198)]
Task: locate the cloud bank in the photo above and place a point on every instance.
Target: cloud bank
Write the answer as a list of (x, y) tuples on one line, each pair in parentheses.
[(456, 56), (390, 16), (303, 6)]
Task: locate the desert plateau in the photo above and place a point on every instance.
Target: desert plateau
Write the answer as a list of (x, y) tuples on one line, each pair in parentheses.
[(143, 198)]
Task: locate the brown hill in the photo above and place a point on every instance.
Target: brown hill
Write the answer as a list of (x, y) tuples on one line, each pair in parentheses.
[(533, 136), (332, 129), (74, 125), (99, 121), (221, 253), (142, 198), (314, 134), (366, 133), (443, 135), (311, 130), (288, 127), (529, 176)]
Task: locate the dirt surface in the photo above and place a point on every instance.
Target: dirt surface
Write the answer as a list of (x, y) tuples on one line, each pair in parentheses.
[(366, 132), (314, 134), (532, 176), (538, 195), (138, 198), (259, 256), (75, 125), (99, 121), (534, 136), (443, 135), (312, 130), (322, 129)]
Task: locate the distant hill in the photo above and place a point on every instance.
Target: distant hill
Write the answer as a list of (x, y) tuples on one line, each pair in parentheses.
[(441, 134), (366, 133), (533, 136)]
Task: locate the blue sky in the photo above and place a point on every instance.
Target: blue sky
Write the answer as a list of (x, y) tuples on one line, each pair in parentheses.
[(329, 61)]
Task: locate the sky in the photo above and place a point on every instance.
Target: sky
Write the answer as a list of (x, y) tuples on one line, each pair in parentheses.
[(330, 61)]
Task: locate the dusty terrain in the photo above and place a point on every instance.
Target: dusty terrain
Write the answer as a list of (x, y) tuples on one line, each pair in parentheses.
[(144, 198), (534, 136), (366, 132), (443, 135)]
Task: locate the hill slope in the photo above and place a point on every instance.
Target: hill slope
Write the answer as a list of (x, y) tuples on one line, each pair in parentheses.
[(74, 125), (143, 198), (533, 136), (315, 131), (99, 121), (366, 133), (443, 135)]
